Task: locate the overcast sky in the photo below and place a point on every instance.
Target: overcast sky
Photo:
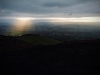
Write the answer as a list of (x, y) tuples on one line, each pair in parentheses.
[(50, 8)]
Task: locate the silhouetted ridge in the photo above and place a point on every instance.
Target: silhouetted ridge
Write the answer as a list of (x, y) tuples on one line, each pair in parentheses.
[(23, 42)]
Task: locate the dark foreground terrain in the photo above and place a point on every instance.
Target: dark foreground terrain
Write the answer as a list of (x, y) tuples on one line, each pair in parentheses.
[(22, 57)]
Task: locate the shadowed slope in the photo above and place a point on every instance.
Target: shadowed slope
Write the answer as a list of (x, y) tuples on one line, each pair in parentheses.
[(71, 58), (38, 40), (12, 43), (24, 42)]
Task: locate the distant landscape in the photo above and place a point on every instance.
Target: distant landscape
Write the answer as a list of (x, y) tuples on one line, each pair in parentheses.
[(59, 31)]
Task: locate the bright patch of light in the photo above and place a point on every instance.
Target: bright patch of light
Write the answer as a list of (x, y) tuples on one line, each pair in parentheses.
[(56, 19), (81, 19), (21, 25), (25, 18)]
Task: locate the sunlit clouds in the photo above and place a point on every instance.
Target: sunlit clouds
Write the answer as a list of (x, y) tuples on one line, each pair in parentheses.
[(61, 19), (25, 18), (72, 19), (53, 19)]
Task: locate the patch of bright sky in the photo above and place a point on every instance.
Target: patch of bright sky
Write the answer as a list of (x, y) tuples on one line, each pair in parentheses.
[(58, 19), (82, 19)]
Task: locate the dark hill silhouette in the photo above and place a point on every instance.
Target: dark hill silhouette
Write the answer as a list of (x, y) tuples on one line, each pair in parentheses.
[(79, 57), (12, 43)]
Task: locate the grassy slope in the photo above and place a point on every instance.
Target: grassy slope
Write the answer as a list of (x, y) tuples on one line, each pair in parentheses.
[(39, 40), (24, 42)]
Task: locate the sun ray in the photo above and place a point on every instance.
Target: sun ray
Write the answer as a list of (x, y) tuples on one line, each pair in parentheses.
[(21, 25)]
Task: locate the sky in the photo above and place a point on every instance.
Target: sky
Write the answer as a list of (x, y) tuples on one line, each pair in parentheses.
[(49, 8)]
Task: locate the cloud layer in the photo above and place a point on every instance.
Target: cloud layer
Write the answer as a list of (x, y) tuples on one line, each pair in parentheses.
[(48, 7)]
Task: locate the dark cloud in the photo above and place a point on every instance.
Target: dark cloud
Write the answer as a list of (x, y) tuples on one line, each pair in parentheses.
[(49, 6), (63, 3)]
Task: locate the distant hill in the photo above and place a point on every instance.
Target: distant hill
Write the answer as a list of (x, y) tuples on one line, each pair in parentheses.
[(24, 42), (38, 40)]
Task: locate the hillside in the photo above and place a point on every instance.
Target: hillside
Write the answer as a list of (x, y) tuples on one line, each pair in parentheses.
[(80, 57), (24, 42), (12, 43), (38, 40)]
